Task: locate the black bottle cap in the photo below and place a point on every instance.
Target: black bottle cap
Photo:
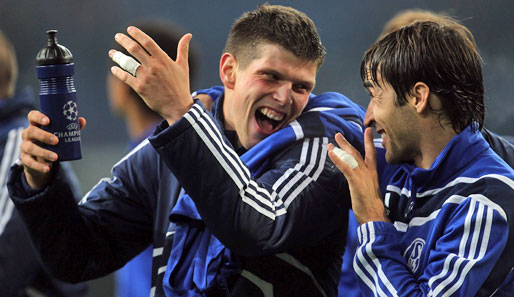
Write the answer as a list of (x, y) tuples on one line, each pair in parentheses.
[(54, 53)]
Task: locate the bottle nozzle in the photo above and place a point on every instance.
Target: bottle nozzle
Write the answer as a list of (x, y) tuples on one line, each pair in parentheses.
[(52, 39), (54, 53)]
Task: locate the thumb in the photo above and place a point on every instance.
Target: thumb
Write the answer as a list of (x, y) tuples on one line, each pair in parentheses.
[(82, 122), (183, 50)]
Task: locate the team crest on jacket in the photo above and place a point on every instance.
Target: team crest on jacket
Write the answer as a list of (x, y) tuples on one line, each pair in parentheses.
[(413, 253)]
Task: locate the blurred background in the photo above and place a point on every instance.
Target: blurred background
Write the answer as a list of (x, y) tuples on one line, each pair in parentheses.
[(347, 29)]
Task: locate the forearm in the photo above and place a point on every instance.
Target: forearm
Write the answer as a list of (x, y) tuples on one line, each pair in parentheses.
[(51, 219), (68, 238)]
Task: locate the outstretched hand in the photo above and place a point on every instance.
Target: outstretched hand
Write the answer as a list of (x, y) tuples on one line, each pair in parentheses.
[(362, 180), (37, 161), (161, 82)]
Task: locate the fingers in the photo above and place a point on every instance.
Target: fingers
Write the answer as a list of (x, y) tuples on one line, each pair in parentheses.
[(35, 164), (34, 133), (82, 122), (346, 146), (37, 118), (33, 155), (340, 164), (134, 48), (147, 43), (347, 158), (32, 136), (123, 75), (126, 63), (143, 48), (369, 149), (183, 50)]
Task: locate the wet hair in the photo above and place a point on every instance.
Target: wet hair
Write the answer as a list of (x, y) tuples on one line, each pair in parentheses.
[(8, 67), (166, 35), (274, 24), (439, 56)]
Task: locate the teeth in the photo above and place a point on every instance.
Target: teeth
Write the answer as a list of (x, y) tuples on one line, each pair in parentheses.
[(270, 113)]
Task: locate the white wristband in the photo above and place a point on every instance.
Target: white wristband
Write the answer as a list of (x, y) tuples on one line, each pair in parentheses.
[(345, 157), (127, 63)]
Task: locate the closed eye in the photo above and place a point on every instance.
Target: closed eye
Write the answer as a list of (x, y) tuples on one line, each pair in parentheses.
[(271, 76), (301, 88)]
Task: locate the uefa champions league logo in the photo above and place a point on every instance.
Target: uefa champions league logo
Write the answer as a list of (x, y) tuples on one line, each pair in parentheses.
[(70, 110), (413, 253)]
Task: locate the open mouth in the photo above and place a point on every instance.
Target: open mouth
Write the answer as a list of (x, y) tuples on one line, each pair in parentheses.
[(268, 119)]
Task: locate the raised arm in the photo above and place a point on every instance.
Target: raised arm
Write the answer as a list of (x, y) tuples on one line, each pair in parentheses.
[(161, 82), (296, 198), (81, 242)]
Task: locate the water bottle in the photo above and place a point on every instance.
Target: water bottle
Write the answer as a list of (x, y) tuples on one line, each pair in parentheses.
[(58, 97)]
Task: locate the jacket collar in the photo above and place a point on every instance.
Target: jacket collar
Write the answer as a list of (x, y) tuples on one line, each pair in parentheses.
[(459, 153)]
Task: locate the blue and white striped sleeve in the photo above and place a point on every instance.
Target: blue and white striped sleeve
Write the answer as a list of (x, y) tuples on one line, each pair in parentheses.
[(252, 215), (461, 243)]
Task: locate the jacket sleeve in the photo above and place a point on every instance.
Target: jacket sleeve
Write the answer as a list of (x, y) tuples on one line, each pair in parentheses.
[(473, 237), (300, 200), (112, 224)]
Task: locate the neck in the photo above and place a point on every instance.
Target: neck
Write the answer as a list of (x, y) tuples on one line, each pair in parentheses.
[(434, 139), (226, 110)]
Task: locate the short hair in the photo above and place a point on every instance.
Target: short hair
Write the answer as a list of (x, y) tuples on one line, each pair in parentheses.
[(8, 67), (440, 57), (166, 35), (409, 16), (275, 24)]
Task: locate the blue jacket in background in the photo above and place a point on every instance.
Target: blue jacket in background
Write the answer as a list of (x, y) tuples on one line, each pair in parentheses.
[(21, 272)]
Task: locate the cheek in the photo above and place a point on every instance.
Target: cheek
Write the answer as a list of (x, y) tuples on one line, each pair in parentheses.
[(299, 103), (381, 114)]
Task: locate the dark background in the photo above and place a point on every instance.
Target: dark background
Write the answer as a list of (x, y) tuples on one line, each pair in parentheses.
[(347, 29)]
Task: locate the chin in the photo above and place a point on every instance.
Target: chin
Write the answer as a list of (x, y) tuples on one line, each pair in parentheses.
[(391, 159), (252, 142)]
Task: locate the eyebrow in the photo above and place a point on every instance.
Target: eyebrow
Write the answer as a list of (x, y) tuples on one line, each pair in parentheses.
[(280, 76)]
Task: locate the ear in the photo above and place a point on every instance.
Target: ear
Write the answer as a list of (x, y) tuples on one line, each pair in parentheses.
[(228, 66), (419, 96)]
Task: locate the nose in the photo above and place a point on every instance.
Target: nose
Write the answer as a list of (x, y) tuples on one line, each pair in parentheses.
[(283, 93), (369, 120)]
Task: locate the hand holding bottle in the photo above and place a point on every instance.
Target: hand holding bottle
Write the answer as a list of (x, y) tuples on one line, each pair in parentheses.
[(37, 161)]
